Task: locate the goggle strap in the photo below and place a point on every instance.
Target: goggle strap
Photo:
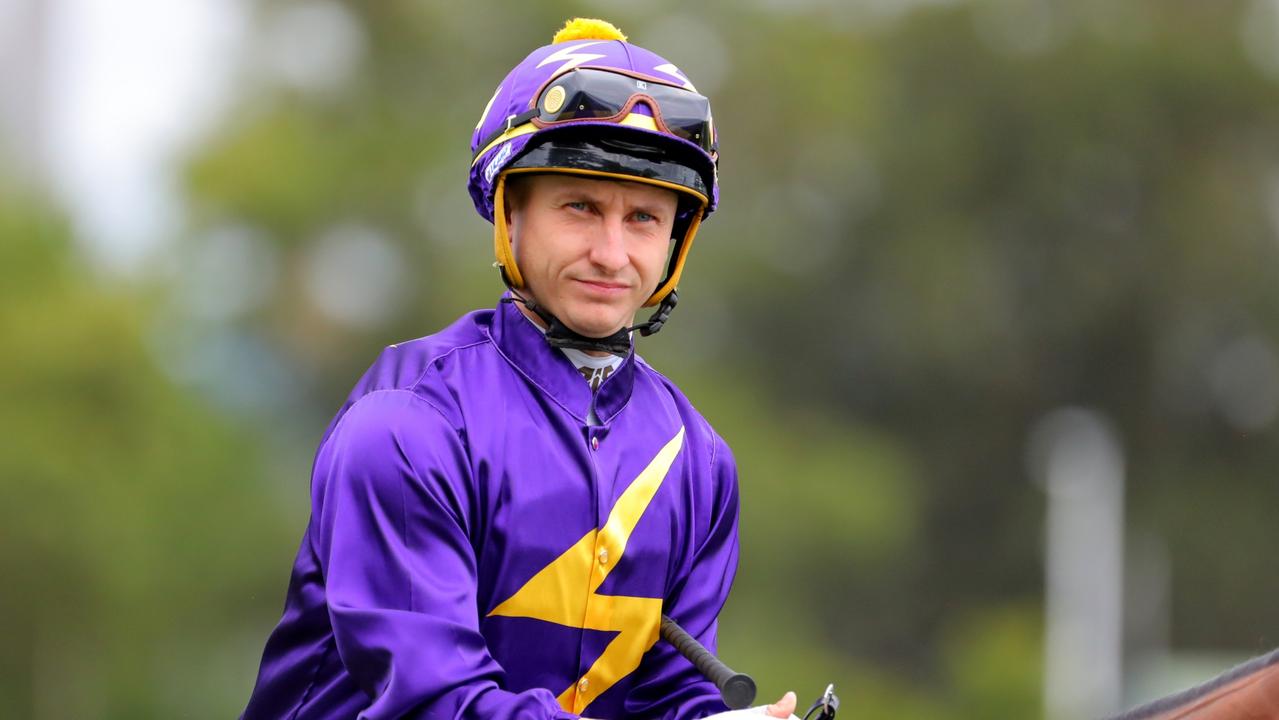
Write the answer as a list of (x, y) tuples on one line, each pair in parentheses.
[(512, 121)]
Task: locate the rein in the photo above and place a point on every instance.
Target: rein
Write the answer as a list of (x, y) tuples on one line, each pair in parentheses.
[(1247, 692)]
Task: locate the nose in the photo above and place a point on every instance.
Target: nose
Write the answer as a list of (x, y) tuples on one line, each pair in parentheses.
[(608, 248)]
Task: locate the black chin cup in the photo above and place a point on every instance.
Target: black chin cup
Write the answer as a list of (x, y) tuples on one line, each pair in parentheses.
[(559, 335)]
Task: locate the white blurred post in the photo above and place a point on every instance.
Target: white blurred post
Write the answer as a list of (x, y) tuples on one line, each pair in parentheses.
[(1080, 463)]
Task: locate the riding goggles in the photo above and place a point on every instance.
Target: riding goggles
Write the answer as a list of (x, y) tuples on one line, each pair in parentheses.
[(609, 96)]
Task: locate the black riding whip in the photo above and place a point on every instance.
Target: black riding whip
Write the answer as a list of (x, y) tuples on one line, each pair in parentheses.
[(737, 689)]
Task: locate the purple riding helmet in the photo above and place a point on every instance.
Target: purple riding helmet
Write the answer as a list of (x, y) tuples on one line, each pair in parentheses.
[(592, 104)]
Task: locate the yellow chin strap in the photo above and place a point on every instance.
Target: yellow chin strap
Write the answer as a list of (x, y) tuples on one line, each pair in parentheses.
[(502, 238), (506, 255)]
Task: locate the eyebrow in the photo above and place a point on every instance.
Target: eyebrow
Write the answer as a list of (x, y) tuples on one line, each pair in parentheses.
[(587, 193), (576, 193)]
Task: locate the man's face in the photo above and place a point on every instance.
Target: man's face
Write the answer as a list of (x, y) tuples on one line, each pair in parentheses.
[(590, 251)]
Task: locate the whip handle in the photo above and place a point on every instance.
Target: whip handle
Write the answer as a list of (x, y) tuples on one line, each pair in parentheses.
[(737, 689)]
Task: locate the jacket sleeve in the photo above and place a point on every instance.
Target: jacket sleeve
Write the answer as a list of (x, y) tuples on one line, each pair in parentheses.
[(668, 686), (390, 493)]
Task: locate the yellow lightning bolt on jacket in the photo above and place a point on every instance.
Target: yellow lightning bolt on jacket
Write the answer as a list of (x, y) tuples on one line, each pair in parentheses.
[(555, 594)]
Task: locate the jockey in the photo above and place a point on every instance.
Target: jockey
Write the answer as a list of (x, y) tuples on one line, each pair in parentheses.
[(502, 511)]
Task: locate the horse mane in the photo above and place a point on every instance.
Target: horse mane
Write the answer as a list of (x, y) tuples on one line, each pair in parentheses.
[(1154, 709)]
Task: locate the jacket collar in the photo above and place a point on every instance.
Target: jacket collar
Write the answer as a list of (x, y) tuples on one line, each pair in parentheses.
[(524, 346)]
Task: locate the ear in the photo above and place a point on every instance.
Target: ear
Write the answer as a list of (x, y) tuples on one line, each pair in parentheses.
[(502, 250), (508, 207), (514, 202), (513, 216)]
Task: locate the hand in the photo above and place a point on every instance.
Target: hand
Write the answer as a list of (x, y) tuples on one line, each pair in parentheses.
[(784, 708)]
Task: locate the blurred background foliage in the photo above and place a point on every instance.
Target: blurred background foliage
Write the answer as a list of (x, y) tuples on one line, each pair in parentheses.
[(941, 221)]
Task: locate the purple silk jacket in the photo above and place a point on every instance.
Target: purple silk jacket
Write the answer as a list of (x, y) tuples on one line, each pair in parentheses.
[(476, 550)]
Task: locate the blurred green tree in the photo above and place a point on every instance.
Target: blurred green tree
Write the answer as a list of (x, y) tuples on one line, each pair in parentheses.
[(136, 531)]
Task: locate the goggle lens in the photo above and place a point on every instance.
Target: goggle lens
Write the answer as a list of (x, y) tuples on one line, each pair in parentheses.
[(587, 94)]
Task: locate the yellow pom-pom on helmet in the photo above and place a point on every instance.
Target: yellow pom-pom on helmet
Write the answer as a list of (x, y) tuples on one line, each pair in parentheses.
[(587, 29)]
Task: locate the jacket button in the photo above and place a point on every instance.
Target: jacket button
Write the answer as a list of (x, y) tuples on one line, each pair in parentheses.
[(603, 556), (595, 443), (583, 685)]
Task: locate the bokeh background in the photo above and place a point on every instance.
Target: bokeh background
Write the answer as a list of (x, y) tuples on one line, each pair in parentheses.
[(989, 315)]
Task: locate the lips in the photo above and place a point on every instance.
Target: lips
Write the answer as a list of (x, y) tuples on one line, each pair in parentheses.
[(604, 286)]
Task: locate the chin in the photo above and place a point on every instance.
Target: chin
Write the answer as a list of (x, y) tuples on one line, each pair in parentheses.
[(594, 326), (596, 331)]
